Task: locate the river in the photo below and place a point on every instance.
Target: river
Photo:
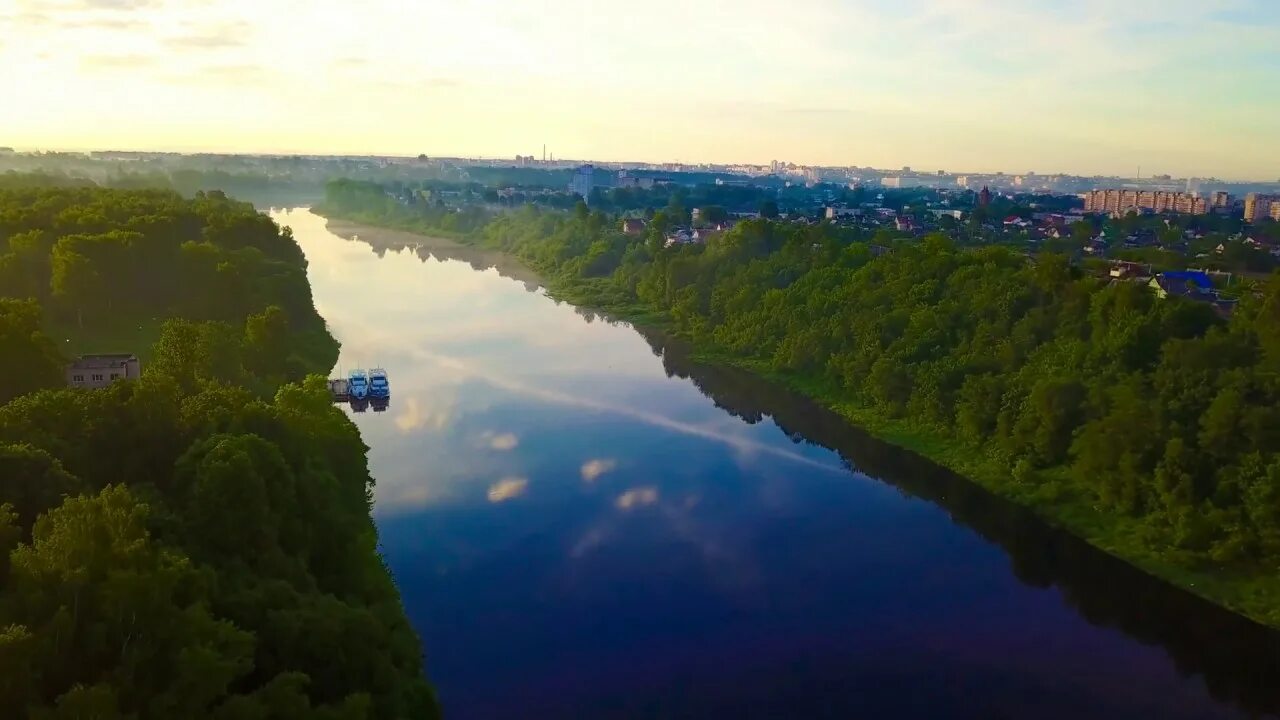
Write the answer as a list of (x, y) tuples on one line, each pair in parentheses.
[(583, 523)]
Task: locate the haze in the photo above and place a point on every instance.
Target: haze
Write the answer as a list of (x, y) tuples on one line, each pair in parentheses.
[(1175, 86)]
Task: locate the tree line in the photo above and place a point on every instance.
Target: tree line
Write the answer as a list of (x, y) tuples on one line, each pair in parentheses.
[(197, 543), (1160, 417)]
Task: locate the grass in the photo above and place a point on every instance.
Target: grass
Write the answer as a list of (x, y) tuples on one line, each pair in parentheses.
[(114, 335)]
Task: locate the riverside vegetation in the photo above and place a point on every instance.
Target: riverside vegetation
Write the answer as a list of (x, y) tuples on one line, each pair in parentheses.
[(198, 543), (1149, 427)]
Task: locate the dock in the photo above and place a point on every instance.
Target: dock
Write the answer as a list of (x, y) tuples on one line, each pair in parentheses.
[(378, 397)]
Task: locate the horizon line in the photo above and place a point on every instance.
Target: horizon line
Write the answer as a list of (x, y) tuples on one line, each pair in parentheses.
[(586, 161)]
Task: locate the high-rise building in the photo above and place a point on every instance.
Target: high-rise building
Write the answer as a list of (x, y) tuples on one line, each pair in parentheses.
[(1114, 200), (584, 181), (1259, 205), (984, 197)]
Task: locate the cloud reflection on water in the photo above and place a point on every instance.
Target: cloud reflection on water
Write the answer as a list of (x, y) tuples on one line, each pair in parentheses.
[(739, 443), (415, 416), (593, 469), (636, 497), (500, 441), (508, 488)]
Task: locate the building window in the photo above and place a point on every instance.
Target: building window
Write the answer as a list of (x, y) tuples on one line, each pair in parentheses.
[(115, 376), (77, 378), (97, 378)]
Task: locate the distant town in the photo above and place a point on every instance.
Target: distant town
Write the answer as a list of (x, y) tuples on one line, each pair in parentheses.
[(1196, 237)]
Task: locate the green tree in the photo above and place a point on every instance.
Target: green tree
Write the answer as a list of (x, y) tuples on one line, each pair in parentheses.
[(32, 482), (76, 283), (267, 340), (111, 607), (29, 360)]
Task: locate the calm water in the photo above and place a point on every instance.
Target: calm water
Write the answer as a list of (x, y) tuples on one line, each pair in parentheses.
[(585, 524)]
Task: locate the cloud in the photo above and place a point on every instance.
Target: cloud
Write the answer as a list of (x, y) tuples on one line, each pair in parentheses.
[(409, 84), (636, 497), (107, 23), (204, 42), (64, 6), (593, 469), (27, 19), (507, 488), (503, 441), (228, 35), (114, 4), (241, 74), (119, 61), (241, 70)]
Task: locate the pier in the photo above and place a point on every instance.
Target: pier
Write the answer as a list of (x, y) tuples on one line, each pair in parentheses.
[(361, 394)]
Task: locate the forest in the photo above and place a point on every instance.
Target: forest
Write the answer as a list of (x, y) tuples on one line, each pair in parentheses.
[(196, 543), (1149, 426)]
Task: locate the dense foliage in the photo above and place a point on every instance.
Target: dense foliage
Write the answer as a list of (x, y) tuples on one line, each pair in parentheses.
[(1090, 394), (195, 544)]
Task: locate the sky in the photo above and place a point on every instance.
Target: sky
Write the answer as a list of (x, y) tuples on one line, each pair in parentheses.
[(1185, 87)]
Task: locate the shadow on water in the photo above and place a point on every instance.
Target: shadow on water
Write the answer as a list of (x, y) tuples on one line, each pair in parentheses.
[(1238, 659)]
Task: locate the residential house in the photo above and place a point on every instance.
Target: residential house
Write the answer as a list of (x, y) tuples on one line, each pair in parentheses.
[(679, 236), (1191, 284), (835, 213), (1124, 270), (634, 226), (99, 371)]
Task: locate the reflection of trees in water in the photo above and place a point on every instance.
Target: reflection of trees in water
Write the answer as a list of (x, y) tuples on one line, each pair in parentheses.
[(587, 314), (1239, 659), (480, 260)]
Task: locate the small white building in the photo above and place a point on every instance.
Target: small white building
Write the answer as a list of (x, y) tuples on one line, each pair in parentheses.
[(99, 371)]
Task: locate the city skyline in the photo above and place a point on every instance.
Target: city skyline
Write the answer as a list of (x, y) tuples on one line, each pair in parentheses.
[(723, 167), (1083, 88)]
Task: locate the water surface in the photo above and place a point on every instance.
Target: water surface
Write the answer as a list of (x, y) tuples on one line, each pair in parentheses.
[(584, 523)]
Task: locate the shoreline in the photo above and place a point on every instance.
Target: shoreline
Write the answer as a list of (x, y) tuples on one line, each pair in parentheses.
[(1255, 598), (386, 239)]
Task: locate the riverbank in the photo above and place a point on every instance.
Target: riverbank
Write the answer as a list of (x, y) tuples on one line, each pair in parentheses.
[(1257, 599), (1057, 503), (223, 480)]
